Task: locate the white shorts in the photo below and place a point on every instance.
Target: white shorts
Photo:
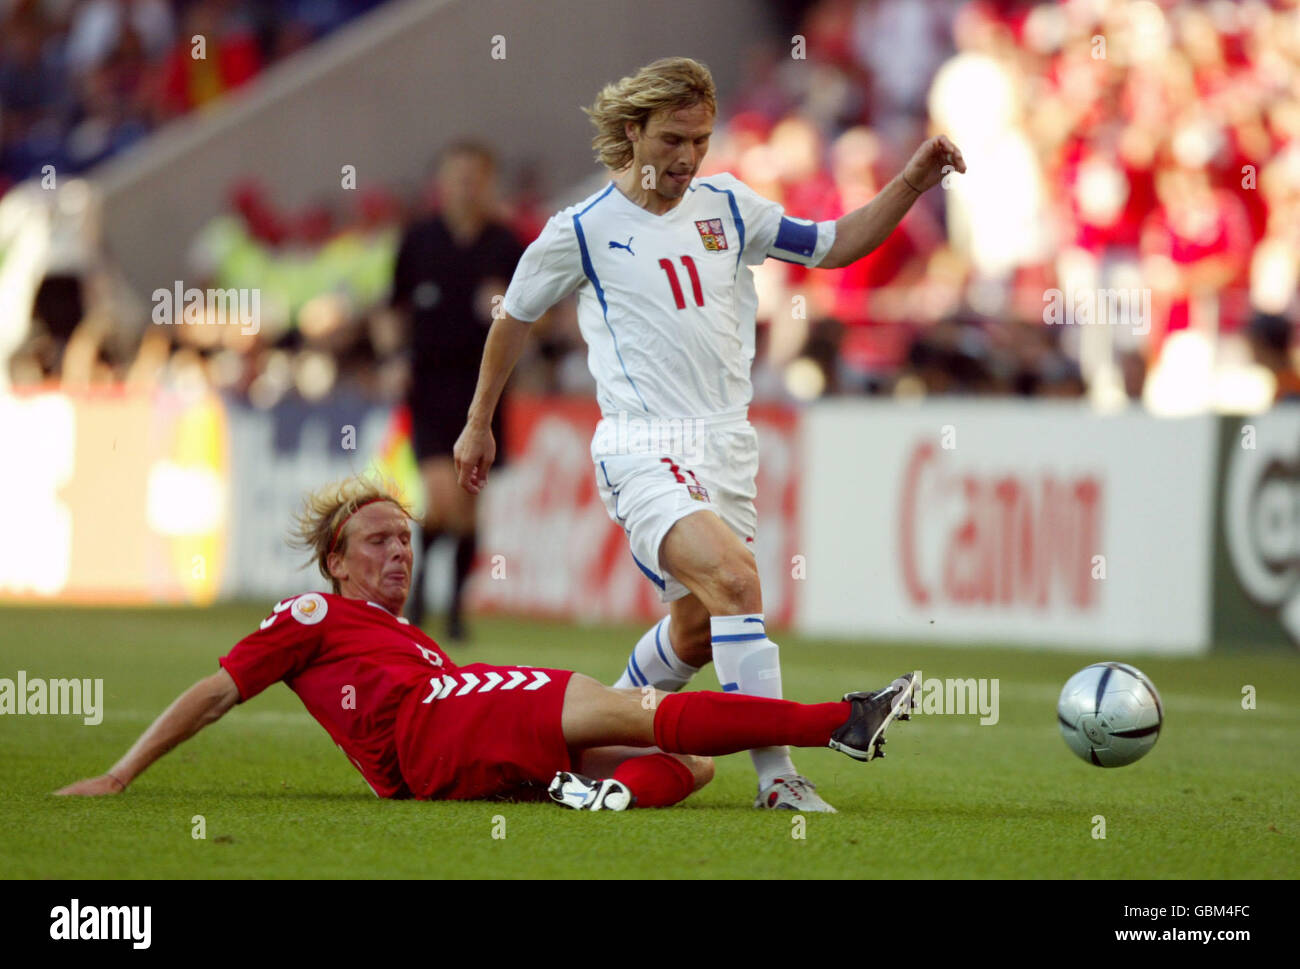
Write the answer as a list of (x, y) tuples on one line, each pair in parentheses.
[(711, 465)]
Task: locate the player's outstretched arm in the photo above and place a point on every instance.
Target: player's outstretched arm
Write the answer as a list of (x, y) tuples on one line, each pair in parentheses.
[(203, 703), (863, 229), (475, 449)]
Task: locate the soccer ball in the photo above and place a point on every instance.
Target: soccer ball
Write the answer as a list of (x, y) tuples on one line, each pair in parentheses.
[(1110, 714)]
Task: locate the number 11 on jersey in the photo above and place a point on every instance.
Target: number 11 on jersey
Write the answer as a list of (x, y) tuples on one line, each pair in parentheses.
[(696, 291)]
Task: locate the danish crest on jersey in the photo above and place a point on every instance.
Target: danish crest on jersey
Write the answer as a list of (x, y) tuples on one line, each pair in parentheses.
[(309, 609), (712, 234)]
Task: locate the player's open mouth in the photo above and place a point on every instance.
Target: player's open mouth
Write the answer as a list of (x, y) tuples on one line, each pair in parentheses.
[(680, 177)]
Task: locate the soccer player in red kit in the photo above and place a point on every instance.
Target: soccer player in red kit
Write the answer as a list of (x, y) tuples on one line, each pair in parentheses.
[(417, 725)]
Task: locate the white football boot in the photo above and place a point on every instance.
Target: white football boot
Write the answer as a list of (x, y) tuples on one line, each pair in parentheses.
[(794, 793), (584, 794)]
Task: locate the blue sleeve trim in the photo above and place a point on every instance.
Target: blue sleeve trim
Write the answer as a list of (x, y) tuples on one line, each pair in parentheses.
[(735, 218)]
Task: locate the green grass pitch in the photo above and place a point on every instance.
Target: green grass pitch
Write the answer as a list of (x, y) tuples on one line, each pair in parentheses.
[(1215, 799)]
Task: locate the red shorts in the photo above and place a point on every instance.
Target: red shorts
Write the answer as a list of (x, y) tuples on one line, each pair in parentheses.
[(490, 731)]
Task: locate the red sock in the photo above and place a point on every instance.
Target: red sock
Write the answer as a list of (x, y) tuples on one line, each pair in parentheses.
[(656, 780), (712, 724)]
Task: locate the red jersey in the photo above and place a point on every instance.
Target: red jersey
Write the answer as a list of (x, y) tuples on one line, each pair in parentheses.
[(353, 664)]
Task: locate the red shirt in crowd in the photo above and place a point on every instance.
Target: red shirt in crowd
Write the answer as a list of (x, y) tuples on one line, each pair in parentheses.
[(189, 82), (1223, 231)]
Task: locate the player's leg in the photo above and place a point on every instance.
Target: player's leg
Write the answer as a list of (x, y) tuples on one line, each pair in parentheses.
[(708, 724), (449, 510), (659, 661), (444, 509), (482, 730), (432, 478), (462, 521), (651, 777), (683, 525), (607, 761), (708, 557), (671, 651), (645, 494)]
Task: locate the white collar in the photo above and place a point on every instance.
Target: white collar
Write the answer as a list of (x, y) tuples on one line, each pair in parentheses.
[(401, 619)]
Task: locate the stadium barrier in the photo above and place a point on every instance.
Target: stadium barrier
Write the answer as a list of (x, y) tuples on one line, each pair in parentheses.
[(114, 497), (964, 521), (1257, 531), (276, 457), (1000, 522)]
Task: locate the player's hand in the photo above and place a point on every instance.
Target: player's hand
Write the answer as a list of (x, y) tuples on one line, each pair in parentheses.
[(103, 784), (474, 453), (932, 161)]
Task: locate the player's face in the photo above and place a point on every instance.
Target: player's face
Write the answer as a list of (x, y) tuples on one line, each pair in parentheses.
[(377, 562), (675, 143), (465, 181)]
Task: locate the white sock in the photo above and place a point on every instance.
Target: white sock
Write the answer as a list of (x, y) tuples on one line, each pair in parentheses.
[(653, 662), (746, 661)]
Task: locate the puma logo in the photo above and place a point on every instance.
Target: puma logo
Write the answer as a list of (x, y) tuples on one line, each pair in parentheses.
[(619, 245)]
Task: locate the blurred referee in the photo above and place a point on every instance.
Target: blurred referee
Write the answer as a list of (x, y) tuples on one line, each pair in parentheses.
[(449, 268)]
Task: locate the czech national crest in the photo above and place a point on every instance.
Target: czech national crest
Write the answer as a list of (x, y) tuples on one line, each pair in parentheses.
[(712, 234)]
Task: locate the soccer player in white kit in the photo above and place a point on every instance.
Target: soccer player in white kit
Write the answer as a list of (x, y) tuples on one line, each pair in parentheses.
[(666, 303)]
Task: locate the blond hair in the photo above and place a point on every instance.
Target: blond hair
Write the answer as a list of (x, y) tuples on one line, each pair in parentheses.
[(669, 83), (327, 509)]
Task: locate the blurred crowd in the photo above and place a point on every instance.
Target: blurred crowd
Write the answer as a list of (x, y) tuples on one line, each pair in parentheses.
[(1143, 146), (83, 79), (1112, 146)]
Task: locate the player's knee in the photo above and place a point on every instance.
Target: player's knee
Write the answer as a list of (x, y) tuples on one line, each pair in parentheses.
[(701, 769), (736, 586)]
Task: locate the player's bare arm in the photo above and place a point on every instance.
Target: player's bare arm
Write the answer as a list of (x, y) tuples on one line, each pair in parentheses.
[(475, 449), (865, 228), (205, 702)]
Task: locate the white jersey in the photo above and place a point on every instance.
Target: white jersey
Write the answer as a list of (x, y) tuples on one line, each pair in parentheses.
[(666, 303)]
